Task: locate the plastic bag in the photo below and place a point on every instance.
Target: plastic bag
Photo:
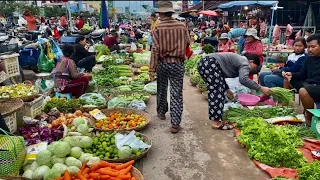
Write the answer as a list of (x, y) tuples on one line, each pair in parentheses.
[(138, 105), (149, 39), (117, 103), (130, 140), (44, 85), (92, 86), (133, 47), (22, 21), (56, 49), (44, 64), (93, 99)]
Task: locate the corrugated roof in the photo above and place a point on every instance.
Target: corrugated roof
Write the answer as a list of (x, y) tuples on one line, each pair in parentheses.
[(208, 5)]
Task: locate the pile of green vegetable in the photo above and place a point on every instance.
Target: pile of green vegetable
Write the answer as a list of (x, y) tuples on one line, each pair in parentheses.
[(303, 131), (105, 148), (272, 145), (64, 105), (123, 70), (142, 58), (102, 50), (107, 77), (237, 115), (208, 48), (310, 171), (191, 64), (143, 77), (195, 46), (135, 96), (282, 95), (93, 100)]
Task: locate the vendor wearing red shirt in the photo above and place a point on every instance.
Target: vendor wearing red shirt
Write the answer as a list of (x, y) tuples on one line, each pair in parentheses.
[(80, 23), (31, 20), (112, 41)]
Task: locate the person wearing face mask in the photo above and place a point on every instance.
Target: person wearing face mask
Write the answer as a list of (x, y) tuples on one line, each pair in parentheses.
[(81, 56), (307, 80), (293, 64)]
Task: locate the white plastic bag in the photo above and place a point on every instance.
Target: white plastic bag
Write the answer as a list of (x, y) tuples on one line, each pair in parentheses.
[(133, 47), (22, 21), (138, 105), (130, 140)]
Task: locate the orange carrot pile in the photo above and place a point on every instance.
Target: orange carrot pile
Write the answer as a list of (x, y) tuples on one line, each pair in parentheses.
[(102, 171)]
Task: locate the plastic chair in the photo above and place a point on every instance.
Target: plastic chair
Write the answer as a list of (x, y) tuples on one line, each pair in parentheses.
[(61, 95)]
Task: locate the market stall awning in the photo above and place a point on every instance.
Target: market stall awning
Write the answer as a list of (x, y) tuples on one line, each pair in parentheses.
[(207, 5), (246, 3), (209, 13)]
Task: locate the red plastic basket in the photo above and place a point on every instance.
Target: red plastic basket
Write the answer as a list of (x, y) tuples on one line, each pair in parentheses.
[(248, 99)]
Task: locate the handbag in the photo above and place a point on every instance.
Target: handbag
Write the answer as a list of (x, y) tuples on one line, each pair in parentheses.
[(12, 153)]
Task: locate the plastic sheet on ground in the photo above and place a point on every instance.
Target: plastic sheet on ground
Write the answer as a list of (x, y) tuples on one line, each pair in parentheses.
[(309, 145)]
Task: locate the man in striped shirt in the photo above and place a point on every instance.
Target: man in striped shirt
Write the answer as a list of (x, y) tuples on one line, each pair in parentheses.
[(170, 39)]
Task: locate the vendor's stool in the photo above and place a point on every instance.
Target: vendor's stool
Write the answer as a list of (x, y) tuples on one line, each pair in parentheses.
[(61, 95)]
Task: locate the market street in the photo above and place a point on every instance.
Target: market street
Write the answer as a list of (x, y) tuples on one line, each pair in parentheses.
[(197, 152)]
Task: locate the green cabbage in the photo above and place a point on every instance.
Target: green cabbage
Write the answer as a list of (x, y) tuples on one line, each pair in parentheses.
[(51, 146), (76, 152), (56, 159), (62, 149), (26, 167), (82, 128), (60, 167), (39, 173), (85, 157), (34, 166), (93, 160), (77, 121), (86, 142), (28, 174), (52, 174), (124, 152), (73, 170), (44, 157), (71, 161), (72, 141)]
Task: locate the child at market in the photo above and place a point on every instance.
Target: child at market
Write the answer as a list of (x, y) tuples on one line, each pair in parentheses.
[(307, 81), (293, 64), (67, 77)]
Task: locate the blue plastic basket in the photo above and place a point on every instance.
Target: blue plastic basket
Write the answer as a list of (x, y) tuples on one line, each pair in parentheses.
[(70, 39), (29, 57)]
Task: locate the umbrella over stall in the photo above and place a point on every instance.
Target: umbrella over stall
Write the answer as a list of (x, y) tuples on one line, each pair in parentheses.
[(103, 20), (209, 13)]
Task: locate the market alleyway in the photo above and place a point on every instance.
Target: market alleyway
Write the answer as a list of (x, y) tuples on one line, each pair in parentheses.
[(197, 152)]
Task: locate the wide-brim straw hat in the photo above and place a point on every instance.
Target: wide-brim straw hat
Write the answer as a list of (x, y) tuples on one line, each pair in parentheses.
[(165, 6), (252, 32), (223, 36)]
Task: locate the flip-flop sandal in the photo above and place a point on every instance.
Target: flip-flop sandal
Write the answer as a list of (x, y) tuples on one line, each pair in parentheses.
[(223, 126)]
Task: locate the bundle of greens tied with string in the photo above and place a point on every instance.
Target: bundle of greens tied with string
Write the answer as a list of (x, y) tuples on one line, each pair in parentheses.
[(282, 95)]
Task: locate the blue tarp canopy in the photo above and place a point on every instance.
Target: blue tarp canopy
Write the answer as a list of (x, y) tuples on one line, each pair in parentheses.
[(246, 3)]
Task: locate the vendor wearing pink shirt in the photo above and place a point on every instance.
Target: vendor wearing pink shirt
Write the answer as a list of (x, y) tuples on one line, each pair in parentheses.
[(31, 20), (253, 44), (63, 21)]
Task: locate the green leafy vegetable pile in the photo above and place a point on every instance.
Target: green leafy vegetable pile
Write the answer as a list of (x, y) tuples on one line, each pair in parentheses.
[(237, 115), (107, 77), (63, 105), (282, 178), (270, 144), (191, 64), (208, 48), (282, 95), (303, 131), (310, 171)]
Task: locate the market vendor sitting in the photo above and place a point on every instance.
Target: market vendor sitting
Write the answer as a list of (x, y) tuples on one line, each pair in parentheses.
[(307, 81), (67, 77), (112, 41), (293, 64), (225, 45), (81, 56)]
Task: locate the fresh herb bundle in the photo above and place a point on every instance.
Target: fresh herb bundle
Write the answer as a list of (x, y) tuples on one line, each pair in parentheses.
[(282, 95)]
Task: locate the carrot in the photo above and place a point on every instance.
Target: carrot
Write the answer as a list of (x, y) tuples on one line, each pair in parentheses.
[(80, 176), (95, 176), (86, 176), (85, 171), (121, 176), (73, 178), (83, 166), (60, 178), (95, 167), (114, 178), (90, 179), (126, 170), (106, 164), (67, 175), (125, 165), (105, 177), (133, 178), (104, 171)]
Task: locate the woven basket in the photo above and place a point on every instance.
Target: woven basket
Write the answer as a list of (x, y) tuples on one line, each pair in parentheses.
[(130, 93), (24, 98), (10, 106), (147, 140), (135, 173), (145, 115), (13, 178)]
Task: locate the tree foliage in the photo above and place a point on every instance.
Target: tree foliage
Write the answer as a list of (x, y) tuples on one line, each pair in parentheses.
[(8, 8), (54, 11)]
